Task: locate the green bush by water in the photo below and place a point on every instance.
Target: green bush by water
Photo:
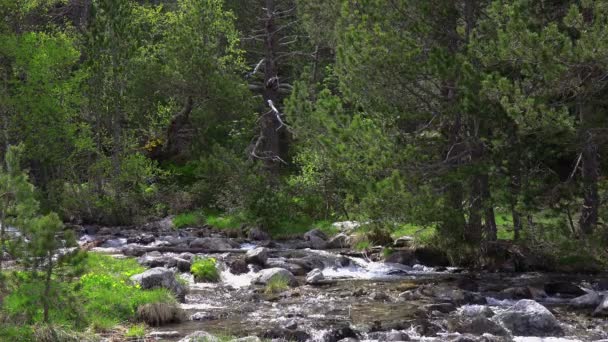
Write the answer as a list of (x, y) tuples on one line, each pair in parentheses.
[(205, 270)]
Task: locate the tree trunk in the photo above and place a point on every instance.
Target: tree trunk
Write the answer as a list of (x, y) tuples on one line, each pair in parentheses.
[(490, 230), (270, 136), (590, 175), (47, 287)]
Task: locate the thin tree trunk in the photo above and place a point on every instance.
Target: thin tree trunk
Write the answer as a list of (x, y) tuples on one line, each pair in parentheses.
[(490, 230), (47, 287), (590, 176), (270, 125)]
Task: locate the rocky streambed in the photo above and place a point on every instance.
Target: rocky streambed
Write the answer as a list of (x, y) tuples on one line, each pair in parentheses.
[(337, 294)]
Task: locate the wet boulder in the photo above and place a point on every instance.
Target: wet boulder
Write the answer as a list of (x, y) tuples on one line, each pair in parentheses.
[(143, 239), (286, 335), (211, 244), (403, 241), (591, 299), (257, 256), (429, 256), (264, 276), (529, 318), (316, 238), (388, 336), (472, 311), (562, 288), (403, 256), (183, 265), (198, 336), (339, 241), (160, 277), (337, 334), (156, 259), (257, 234), (238, 266), (280, 262), (602, 308), (476, 326), (314, 277)]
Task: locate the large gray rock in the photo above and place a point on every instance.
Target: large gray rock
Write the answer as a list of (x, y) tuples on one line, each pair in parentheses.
[(160, 277), (264, 276), (257, 234), (200, 336), (316, 238), (339, 241), (314, 277), (210, 244), (602, 308), (590, 300), (529, 318), (477, 326), (280, 262), (472, 311), (257, 256)]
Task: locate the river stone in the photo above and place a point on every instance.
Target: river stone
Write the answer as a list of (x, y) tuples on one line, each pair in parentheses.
[(472, 311), (155, 259), (337, 334), (433, 257), (404, 257), (264, 276), (257, 256), (591, 299), (160, 277), (315, 276), (199, 336), (529, 318), (477, 326), (392, 336), (143, 239), (404, 241), (286, 335), (316, 238), (563, 288), (164, 334), (257, 234), (602, 308), (238, 266), (339, 241), (247, 339), (280, 262), (213, 244), (183, 265)]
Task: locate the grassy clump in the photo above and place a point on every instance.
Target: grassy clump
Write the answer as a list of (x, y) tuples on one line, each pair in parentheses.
[(226, 221), (277, 284), (205, 270), (136, 331), (101, 299), (109, 296), (189, 219)]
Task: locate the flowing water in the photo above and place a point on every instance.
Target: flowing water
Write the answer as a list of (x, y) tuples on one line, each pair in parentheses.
[(367, 296)]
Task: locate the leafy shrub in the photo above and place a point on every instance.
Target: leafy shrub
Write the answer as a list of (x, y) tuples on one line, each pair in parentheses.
[(276, 284), (204, 270)]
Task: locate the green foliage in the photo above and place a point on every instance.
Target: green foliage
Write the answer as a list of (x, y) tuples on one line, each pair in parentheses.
[(190, 219), (101, 299), (205, 270), (276, 284), (136, 331)]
